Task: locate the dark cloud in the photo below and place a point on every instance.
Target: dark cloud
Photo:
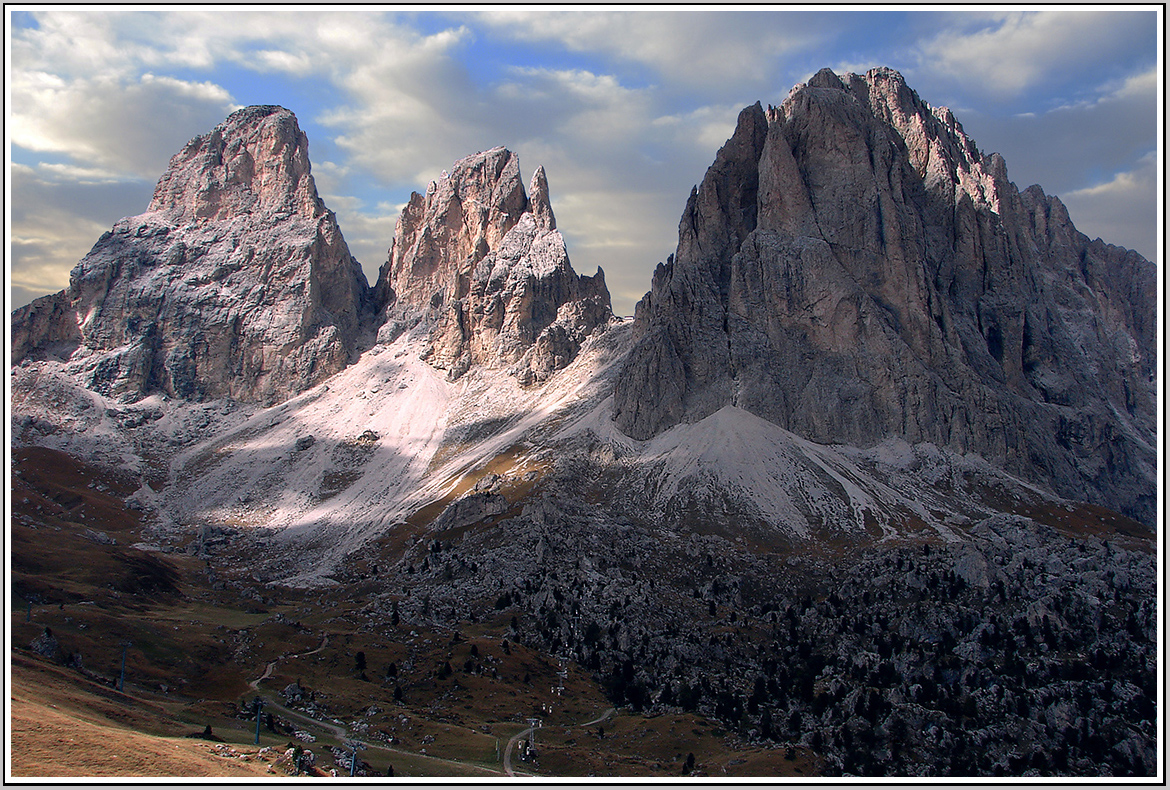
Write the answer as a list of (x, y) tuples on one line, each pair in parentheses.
[(1074, 151), (45, 194), (1070, 147)]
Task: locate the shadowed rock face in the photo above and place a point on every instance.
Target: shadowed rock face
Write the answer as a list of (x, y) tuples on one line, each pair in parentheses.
[(853, 268), (235, 282), (482, 264)]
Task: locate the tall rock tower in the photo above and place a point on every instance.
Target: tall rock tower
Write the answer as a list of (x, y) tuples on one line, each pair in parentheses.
[(235, 282), (853, 268)]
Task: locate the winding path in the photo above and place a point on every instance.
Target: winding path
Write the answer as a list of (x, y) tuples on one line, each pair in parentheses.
[(525, 733), (255, 684), (508, 750), (341, 733)]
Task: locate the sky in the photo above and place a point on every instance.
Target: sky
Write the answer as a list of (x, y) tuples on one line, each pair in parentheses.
[(625, 109)]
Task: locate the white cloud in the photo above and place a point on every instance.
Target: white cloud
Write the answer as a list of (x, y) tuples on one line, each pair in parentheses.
[(1121, 183), (403, 103), (698, 48), (72, 43), (1015, 51), (624, 232), (367, 230), (80, 94), (94, 87), (368, 234), (297, 63), (624, 124), (1133, 87), (56, 221), (1076, 146), (404, 108), (79, 175), (586, 110), (706, 127), (127, 128), (88, 43)]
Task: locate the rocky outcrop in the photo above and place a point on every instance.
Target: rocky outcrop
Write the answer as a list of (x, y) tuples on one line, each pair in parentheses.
[(853, 268), (47, 326), (481, 263), (235, 282), (470, 509)]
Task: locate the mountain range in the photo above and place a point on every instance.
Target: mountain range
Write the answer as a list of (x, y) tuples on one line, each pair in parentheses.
[(869, 352)]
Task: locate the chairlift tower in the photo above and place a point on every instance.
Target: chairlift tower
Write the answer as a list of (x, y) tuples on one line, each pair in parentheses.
[(353, 746), (259, 703), (122, 675)]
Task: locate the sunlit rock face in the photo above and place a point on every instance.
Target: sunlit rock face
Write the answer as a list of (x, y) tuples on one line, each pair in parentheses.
[(235, 282), (481, 263), (853, 268)]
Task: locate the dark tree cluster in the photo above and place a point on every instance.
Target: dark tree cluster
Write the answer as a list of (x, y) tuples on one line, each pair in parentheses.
[(1013, 652)]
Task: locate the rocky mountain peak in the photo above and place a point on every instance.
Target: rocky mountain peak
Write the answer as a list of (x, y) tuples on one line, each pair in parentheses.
[(235, 282), (256, 161), (480, 262), (853, 268)]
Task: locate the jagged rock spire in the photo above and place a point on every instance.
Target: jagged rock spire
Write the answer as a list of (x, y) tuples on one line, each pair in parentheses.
[(538, 200), (440, 236), (482, 264), (256, 161)]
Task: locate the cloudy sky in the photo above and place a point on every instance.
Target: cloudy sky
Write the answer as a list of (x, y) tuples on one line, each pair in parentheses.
[(625, 109)]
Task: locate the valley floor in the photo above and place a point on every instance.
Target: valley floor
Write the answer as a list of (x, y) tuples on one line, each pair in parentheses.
[(199, 652), (1019, 640)]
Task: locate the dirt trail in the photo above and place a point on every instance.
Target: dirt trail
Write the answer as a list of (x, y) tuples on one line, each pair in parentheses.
[(343, 735), (255, 684), (267, 674), (317, 649), (525, 733), (339, 732)]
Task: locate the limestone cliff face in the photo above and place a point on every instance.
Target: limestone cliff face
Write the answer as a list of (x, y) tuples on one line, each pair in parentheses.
[(853, 268), (235, 282), (481, 262)]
